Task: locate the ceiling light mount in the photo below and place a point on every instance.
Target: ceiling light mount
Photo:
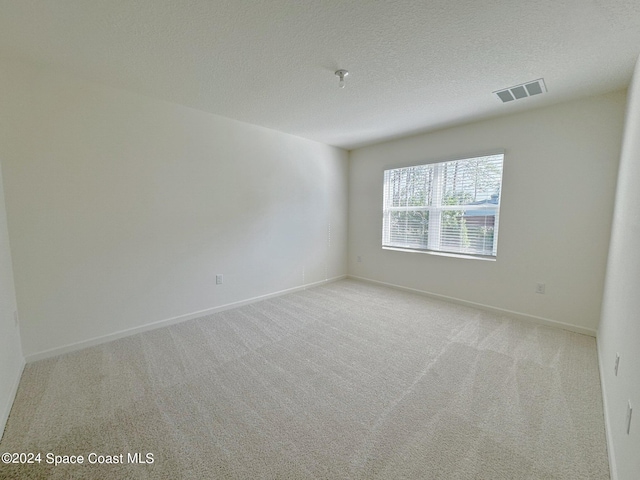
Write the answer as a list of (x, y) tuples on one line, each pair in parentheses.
[(341, 74)]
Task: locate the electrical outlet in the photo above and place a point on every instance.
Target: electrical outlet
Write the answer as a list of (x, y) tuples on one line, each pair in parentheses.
[(617, 363), (540, 288), (629, 412), (15, 318), (359, 259), (219, 279)]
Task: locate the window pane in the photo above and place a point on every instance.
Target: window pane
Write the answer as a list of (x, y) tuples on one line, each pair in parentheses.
[(473, 235), (409, 186), (472, 181), (409, 229)]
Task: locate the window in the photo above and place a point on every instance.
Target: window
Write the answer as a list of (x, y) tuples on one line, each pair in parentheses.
[(450, 207)]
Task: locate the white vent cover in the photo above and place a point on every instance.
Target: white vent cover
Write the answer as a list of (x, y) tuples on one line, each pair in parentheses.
[(523, 90)]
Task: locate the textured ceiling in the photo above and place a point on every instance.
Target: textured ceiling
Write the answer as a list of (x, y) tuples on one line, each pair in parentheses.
[(414, 65)]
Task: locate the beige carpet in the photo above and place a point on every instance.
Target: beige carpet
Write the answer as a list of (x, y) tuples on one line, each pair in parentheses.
[(348, 380)]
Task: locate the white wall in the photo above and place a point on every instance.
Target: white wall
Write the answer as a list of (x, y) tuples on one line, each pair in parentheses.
[(122, 208), (619, 330), (556, 208), (11, 360)]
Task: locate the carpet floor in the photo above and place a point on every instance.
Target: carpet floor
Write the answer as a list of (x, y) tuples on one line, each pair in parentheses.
[(348, 380)]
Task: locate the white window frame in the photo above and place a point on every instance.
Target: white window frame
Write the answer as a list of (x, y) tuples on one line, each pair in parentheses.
[(435, 212)]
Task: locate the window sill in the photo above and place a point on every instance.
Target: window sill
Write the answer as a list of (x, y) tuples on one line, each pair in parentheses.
[(442, 254)]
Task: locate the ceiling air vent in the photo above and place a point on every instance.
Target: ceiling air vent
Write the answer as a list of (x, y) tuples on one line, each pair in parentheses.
[(523, 90)]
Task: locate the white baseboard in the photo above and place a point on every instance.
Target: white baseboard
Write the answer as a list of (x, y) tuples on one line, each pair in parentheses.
[(500, 311), (12, 397), (165, 323), (613, 471)]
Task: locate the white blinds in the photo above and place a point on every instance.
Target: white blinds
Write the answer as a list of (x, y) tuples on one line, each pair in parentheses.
[(448, 207)]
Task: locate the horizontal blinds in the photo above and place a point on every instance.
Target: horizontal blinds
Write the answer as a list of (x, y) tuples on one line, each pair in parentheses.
[(409, 229), (449, 206), (409, 186)]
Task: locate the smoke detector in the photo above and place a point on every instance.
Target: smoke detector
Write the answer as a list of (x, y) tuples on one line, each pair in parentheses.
[(523, 90)]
